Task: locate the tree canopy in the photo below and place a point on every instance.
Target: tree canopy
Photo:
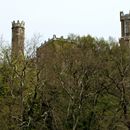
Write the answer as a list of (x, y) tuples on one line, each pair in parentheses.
[(77, 83)]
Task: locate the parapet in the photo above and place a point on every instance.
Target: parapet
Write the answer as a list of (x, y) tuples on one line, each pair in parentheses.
[(124, 16), (18, 24)]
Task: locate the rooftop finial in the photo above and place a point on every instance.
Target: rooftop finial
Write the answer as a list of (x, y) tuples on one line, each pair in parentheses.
[(121, 13), (54, 37)]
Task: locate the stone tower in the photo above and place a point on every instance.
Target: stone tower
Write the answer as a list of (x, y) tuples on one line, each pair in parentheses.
[(18, 32), (125, 29)]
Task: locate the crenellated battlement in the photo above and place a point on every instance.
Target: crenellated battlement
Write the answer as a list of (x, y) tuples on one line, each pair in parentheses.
[(124, 16), (18, 24)]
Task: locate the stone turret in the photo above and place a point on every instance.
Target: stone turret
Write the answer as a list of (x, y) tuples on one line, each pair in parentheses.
[(18, 32), (125, 29)]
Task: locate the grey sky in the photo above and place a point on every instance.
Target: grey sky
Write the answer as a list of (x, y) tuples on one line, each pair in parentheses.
[(99, 18)]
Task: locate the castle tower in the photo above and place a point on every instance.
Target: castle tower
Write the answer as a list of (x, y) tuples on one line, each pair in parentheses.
[(18, 32), (125, 29)]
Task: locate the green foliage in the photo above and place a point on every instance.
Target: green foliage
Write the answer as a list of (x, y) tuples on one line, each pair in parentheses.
[(78, 83)]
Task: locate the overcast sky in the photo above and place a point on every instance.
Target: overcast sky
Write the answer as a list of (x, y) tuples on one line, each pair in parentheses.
[(99, 18)]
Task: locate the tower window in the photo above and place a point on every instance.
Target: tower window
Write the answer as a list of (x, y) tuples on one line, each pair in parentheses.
[(126, 28)]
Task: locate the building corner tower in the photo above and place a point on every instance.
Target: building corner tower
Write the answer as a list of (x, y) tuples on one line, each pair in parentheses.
[(125, 29), (18, 36)]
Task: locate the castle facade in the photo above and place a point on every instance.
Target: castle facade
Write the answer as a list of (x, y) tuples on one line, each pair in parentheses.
[(18, 35)]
